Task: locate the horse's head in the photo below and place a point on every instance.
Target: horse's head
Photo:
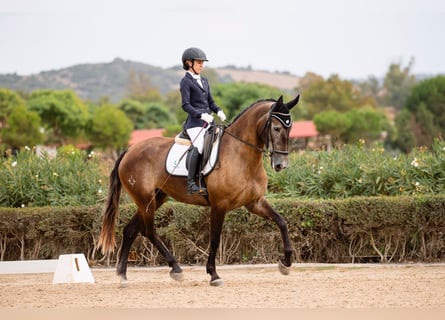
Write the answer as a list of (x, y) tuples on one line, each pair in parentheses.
[(276, 132)]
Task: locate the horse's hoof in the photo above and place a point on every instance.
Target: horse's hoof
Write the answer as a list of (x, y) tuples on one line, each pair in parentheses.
[(123, 281), (177, 276), (216, 283), (284, 270)]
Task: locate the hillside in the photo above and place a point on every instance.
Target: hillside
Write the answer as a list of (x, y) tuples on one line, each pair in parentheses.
[(283, 81), (92, 81)]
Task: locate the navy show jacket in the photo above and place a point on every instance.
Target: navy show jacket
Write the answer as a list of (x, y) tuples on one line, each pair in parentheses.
[(196, 100)]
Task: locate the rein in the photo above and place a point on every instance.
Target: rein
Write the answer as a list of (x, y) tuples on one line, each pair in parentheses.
[(245, 142), (284, 118)]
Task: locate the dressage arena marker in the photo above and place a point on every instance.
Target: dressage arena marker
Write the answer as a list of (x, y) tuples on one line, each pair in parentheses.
[(72, 268), (28, 266)]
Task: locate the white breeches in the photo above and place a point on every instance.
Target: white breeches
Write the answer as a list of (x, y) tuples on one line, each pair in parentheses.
[(197, 137)]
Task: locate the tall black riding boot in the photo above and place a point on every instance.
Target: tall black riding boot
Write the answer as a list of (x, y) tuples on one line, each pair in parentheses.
[(192, 188)]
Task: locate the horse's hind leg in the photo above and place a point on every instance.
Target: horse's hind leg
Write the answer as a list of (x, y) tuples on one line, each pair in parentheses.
[(130, 233), (263, 209), (150, 233), (176, 271), (138, 225)]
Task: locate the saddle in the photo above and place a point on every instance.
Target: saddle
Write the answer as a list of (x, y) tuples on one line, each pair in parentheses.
[(176, 163)]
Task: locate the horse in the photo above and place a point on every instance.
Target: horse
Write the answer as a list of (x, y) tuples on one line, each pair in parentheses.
[(238, 180)]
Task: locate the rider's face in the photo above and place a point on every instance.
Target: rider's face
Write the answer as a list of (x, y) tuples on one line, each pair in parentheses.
[(198, 65)]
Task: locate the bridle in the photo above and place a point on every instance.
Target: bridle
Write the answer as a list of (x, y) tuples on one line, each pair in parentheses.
[(284, 119)]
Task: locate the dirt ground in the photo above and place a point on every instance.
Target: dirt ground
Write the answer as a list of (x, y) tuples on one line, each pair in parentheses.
[(253, 286)]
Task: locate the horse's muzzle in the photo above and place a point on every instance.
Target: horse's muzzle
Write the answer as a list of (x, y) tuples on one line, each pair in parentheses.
[(279, 162)]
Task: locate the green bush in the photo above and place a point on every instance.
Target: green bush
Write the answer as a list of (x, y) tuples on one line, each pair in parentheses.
[(358, 229), (75, 178), (359, 171), (72, 178)]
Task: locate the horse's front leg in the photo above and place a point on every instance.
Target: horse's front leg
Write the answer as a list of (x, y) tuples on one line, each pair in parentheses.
[(216, 223), (263, 209)]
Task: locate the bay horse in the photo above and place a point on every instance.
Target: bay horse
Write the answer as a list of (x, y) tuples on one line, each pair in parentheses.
[(238, 180)]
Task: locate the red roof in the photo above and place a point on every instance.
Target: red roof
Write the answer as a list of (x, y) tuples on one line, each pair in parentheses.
[(139, 135), (303, 129)]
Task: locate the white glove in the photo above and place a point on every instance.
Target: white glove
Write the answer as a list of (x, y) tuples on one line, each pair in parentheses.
[(207, 117), (221, 115)]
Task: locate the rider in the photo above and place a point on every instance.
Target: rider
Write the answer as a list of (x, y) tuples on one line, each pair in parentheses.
[(198, 102)]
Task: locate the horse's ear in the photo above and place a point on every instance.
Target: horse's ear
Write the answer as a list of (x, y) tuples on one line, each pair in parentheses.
[(293, 103), (278, 104)]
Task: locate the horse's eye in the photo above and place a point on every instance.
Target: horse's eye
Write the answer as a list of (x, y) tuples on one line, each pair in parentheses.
[(276, 129)]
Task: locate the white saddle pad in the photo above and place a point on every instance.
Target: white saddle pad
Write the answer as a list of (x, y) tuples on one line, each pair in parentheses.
[(177, 155)]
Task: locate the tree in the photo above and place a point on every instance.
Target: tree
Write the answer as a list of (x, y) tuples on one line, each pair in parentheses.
[(366, 123), (348, 127), (109, 129), (424, 126), (148, 115), (236, 96), (63, 114), (174, 104), (425, 109), (397, 85), (308, 80), (332, 123), (140, 89), (173, 101), (370, 88), (431, 93), (22, 129), (333, 94), (405, 139), (211, 75), (157, 116), (134, 110), (9, 100)]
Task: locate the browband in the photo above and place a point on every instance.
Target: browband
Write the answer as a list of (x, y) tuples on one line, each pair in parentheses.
[(284, 118)]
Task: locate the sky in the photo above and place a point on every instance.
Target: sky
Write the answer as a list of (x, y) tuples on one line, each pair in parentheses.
[(352, 38)]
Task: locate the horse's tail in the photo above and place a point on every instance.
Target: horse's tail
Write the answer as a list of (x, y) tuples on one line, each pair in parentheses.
[(107, 238)]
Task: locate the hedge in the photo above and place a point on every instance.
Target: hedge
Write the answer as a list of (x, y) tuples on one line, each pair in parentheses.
[(358, 229)]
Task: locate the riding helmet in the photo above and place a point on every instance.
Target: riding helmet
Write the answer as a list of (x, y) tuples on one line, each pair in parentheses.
[(193, 54)]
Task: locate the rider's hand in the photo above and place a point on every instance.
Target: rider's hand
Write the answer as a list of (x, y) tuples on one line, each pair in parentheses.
[(221, 115), (207, 117)]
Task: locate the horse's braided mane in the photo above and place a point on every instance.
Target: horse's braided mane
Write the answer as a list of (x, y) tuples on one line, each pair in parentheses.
[(248, 108)]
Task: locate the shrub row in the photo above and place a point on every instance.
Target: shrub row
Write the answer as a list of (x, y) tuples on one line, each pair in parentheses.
[(359, 229), (356, 170), (75, 178)]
